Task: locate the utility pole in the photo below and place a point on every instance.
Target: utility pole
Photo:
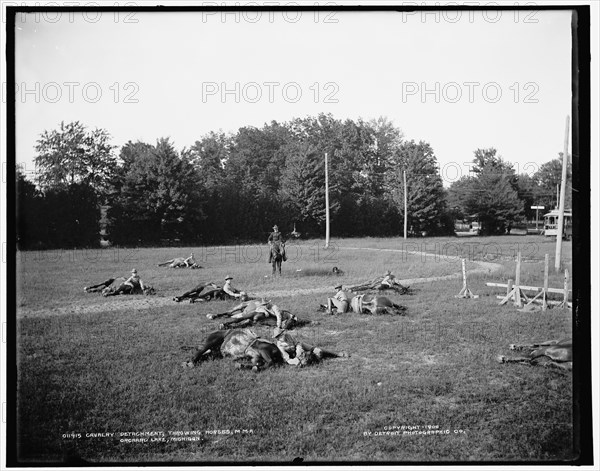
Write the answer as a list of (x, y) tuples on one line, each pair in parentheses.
[(537, 208), (405, 207), (561, 207), (326, 203)]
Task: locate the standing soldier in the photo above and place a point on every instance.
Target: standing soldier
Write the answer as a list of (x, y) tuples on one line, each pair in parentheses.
[(276, 238)]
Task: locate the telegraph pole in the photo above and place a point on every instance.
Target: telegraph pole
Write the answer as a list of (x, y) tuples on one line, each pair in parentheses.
[(326, 203), (561, 207), (405, 207), (537, 216)]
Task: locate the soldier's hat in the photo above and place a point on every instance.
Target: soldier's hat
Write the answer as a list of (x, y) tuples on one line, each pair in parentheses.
[(337, 287), (276, 227), (228, 277)]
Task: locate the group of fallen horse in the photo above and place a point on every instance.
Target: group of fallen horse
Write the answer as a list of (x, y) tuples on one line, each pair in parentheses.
[(282, 347), (256, 352)]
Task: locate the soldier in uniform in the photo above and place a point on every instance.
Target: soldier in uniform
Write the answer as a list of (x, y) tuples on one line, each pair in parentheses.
[(341, 301), (133, 284), (302, 353), (276, 238)]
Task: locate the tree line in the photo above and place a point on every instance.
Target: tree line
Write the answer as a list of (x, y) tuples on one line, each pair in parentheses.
[(233, 187)]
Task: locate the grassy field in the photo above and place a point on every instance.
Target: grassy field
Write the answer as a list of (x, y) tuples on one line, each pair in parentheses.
[(116, 369)]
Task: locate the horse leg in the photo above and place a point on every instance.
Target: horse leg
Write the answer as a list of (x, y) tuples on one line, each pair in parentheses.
[(279, 266), (216, 316), (398, 309), (503, 359), (320, 353), (563, 366), (242, 318), (213, 342), (274, 266), (268, 352)]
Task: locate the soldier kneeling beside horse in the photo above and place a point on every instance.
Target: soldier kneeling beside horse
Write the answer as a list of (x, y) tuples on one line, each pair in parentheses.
[(345, 301)]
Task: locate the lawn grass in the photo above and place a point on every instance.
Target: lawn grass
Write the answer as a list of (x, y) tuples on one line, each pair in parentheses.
[(118, 370)]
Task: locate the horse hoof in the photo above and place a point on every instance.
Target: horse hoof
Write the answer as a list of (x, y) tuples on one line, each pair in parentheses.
[(255, 369), (187, 364), (210, 316), (500, 358)]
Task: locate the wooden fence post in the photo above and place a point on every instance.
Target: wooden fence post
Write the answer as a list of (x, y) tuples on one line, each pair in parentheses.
[(465, 292), (565, 302), (517, 294), (545, 295)]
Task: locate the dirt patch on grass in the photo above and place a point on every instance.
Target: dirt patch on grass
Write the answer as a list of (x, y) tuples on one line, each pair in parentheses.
[(81, 307), (148, 302)]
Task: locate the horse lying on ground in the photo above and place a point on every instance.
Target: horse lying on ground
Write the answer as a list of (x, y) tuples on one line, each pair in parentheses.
[(221, 295), (181, 262), (245, 344), (552, 353), (208, 292), (127, 289), (257, 312), (101, 287), (367, 304), (382, 283)]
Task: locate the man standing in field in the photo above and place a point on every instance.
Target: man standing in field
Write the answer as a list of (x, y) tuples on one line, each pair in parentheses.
[(340, 301), (276, 239)]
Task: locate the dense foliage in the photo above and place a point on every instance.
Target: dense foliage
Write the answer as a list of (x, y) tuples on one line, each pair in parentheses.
[(234, 187)]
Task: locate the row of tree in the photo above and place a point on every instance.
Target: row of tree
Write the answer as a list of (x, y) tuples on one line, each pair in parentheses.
[(234, 187)]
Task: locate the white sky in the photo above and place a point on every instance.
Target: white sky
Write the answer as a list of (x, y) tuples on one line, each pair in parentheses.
[(368, 63)]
